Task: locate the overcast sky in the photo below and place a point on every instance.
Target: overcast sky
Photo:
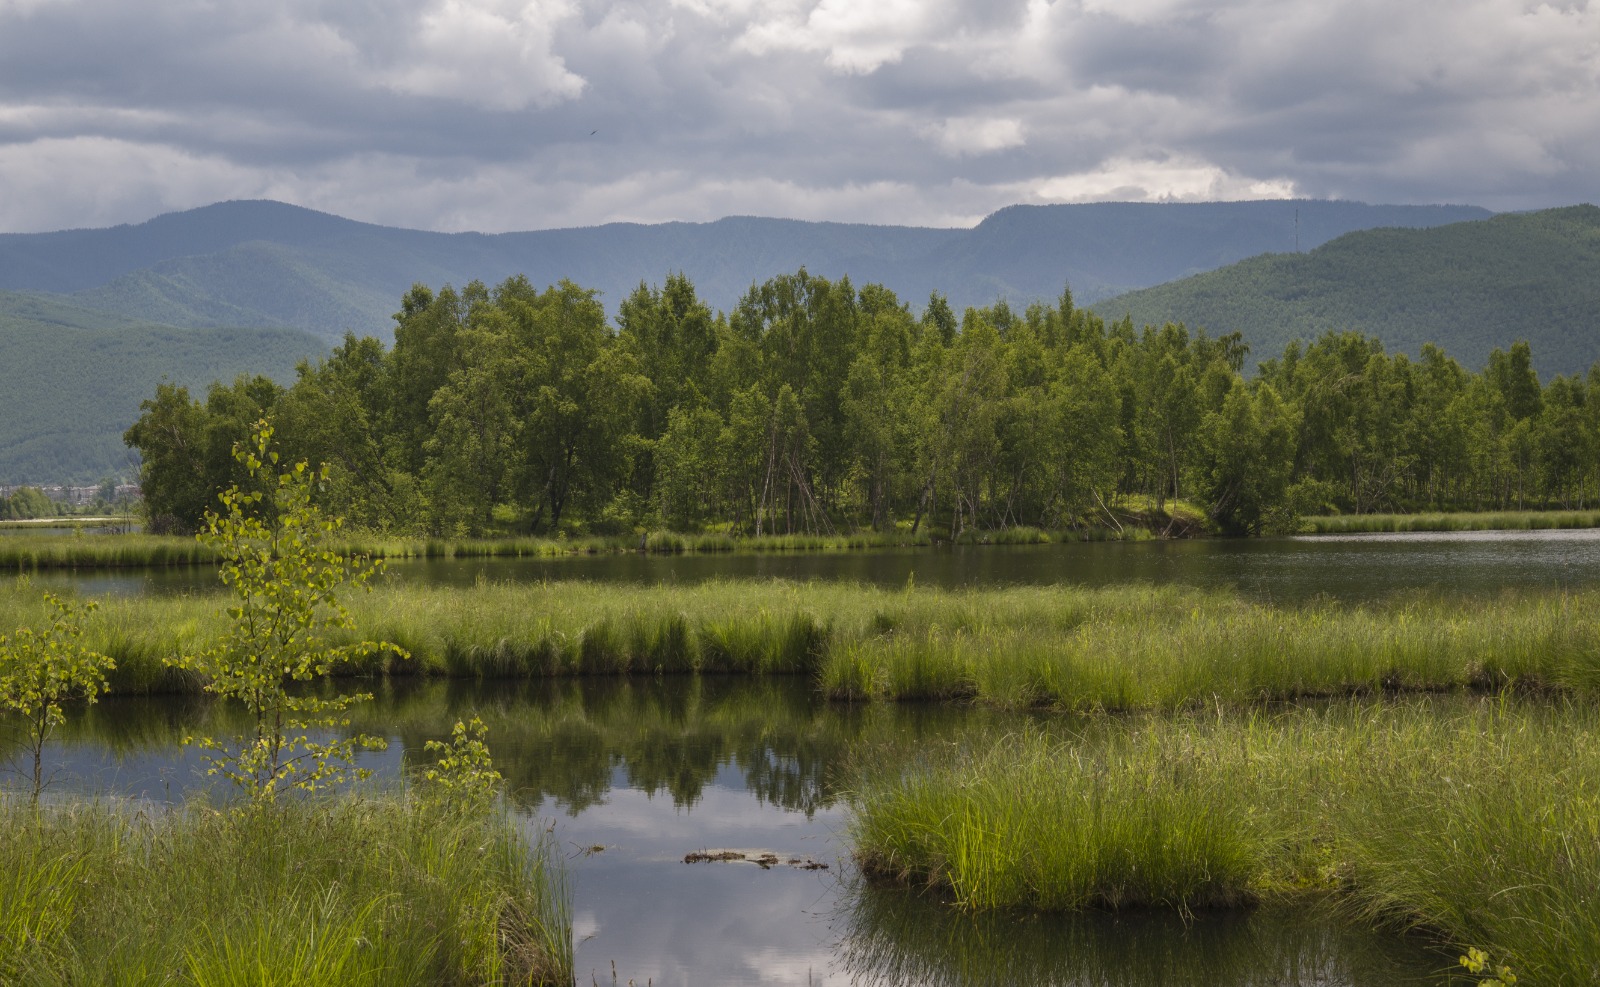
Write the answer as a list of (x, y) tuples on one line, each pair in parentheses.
[(525, 114)]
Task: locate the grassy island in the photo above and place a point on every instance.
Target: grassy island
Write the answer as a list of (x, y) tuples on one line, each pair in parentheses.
[(1120, 648), (1475, 821)]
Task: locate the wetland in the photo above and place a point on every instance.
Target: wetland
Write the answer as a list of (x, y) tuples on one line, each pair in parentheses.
[(1299, 728)]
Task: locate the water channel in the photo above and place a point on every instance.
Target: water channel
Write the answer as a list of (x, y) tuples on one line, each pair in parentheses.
[(629, 776), (1288, 570)]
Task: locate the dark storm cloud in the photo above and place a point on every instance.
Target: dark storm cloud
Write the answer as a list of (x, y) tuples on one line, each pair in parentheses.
[(500, 114)]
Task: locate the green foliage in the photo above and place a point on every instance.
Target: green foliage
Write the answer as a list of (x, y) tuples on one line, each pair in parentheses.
[(41, 670), (1248, 460), (464, 773), (286, 581), (817, 408), (26, 504), (1476, 962)]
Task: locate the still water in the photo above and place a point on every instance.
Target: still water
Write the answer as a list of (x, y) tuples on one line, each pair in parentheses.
[(630, 776), (1289, 570)]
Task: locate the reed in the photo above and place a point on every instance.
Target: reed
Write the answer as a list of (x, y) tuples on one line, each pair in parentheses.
[(1452, 521), (1118, 648), (1035, 824), (357, 890), (1167, 651), (1474, 821), (28, 552)]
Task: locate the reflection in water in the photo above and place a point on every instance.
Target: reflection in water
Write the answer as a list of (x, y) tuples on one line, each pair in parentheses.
[(652, 769), (565, 743), (899, 937)]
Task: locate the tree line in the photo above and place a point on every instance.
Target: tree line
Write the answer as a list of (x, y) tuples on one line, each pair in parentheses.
[(815, 406)]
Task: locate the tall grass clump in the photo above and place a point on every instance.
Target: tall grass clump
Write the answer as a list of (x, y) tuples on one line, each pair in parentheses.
[(25, 553), (1475, 822), (1034, 823), (1486, 829), (1451, 521), (361, 890)]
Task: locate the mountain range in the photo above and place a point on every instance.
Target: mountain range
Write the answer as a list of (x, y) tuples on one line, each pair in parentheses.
[(91, 320), (1470, 287), (266, 264)]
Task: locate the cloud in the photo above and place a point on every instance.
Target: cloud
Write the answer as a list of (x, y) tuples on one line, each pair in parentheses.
[(962, 136), (497, 55), (58, 183), (850, 36), (516, 114), (1167, 180)]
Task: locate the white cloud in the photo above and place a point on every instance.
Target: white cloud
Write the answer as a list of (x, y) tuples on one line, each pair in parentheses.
[(95, 181), (1158, 180), (852, 36), (962, 136), (494, 53)]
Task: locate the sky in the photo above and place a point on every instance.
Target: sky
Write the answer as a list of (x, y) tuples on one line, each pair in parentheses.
[(499, 115)]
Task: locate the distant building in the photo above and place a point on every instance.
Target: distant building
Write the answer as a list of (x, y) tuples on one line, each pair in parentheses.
[(75, 496)]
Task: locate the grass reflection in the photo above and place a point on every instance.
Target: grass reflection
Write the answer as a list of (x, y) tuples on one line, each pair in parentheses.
[(898, 937)]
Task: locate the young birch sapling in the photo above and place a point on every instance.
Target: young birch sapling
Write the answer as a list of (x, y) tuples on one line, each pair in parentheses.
[(40, 670), (276, 556), (464, 775)]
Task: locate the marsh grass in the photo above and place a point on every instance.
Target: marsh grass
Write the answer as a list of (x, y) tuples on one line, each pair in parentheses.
[(1452, 521), (1474, 821), (1066, 648), (1031, 822), (28, 552), (359, 890), (1126, 648)]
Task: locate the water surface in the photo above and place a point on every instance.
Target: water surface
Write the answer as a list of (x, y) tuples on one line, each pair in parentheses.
[(1345, 567), (630, 775)]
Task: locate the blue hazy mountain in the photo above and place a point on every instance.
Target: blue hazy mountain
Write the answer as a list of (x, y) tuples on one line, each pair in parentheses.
[(266, 264)]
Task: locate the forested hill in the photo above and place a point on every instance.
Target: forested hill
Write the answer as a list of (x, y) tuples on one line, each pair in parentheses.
[(1469, 286), (269, 264), (71, 380)]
